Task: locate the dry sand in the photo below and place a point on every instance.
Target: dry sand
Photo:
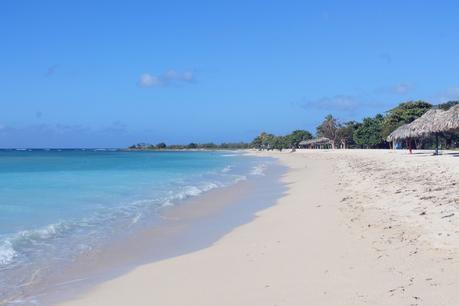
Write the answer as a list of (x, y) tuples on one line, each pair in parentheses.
[(354, 228)]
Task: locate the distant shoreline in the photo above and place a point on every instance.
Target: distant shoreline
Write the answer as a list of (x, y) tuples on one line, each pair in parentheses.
[(118, 149)]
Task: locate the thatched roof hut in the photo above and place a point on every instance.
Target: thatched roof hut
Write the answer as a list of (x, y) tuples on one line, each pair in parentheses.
[(402, 132), (449, 120), (433, 122), (316, 141), (305, 142), (321, 142), (427, 124)]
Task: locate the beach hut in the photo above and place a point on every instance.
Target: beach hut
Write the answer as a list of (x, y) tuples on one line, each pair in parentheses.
[(433, 122), (317, 143), (306, 144), (449, 120), (323, 143), (403, 132), (429, 124)]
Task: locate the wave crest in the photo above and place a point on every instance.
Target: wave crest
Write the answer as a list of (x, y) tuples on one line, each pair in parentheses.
[(7, 252), (258, 170)]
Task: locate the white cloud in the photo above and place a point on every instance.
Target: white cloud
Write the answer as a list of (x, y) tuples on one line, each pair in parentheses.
[(169, 77), (148, 80)]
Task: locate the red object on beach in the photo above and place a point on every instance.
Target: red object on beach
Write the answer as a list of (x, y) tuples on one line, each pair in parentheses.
[(408, 143)]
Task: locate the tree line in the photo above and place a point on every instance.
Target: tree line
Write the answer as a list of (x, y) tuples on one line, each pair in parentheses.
[(371, 132), (190, 146)]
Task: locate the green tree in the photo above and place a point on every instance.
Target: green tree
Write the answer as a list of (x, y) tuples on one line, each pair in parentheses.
[(369, 134), (208, 146), (278, 143), (236, 145), (447, 105), (405, 112), (263, 141), (269, 141), (293, 139), (259, 141), (328, 129), (345, 133), (161, 145)]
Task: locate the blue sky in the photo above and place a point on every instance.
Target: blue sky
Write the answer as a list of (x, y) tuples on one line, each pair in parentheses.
[(113, 73)]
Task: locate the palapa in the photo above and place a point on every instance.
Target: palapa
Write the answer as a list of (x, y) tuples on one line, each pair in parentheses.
[(449, 120), (433, 122), (402, 132), (315, 142), (428, 124)]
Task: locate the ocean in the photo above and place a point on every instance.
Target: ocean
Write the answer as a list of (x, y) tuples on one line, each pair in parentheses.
[(56, 205)]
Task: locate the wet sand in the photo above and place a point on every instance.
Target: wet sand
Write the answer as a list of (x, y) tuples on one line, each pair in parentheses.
[(353, 228), (190, 225)]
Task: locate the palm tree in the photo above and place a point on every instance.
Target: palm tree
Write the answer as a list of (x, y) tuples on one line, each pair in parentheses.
[(328, 129)]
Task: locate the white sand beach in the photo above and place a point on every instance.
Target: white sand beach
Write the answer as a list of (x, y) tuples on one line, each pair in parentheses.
[(355, 227)]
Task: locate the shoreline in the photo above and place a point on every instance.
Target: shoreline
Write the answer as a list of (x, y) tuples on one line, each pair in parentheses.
[(334, 238), (190, 225)]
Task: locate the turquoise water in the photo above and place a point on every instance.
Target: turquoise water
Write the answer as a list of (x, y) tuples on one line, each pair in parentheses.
[(57, 204)]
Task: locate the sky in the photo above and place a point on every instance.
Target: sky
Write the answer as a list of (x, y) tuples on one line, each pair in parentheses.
[(114, 73)]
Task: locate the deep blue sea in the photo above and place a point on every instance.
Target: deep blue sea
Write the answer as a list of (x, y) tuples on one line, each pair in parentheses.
[(56, 204)]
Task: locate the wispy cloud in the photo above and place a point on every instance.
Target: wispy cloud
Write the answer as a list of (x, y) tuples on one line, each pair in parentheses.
[(386, 57), (402, 88), (449, 94), (345, 106), (51, 71), (170, 77), (149, 80), (397, 89), (338, 102)]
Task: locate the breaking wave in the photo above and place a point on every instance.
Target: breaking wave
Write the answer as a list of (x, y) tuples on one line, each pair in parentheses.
[(258, 169), (7, 252)]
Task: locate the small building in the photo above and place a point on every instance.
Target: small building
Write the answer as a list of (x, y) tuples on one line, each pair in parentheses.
[(317, 143)]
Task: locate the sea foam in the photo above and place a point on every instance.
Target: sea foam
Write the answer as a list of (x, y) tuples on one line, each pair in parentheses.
[(82, 199), (258, 170), (7, 252)]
